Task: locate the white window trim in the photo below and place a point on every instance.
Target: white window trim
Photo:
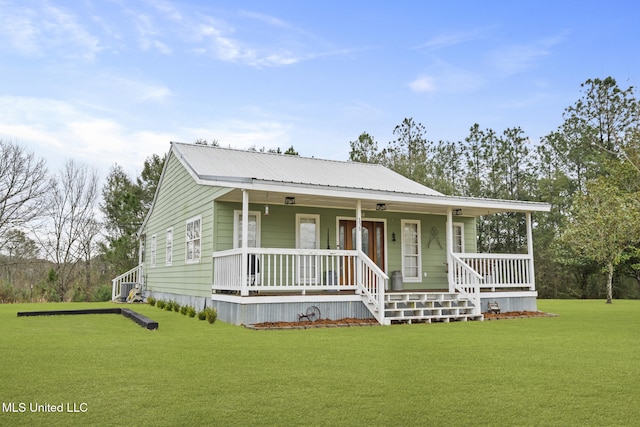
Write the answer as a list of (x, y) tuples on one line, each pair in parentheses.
[(169, 246), (317, 219), (236, 225), (186, 241), (153, 251), (418, 278), (461, 226)]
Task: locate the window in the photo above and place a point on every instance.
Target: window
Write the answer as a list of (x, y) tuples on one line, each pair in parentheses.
[(169, 248), (253, 237), (411, 258), (308, 237), (192, 240), (458, 237), (153, 250)]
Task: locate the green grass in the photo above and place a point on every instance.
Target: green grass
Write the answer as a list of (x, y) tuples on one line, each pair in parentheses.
[(580, 368)]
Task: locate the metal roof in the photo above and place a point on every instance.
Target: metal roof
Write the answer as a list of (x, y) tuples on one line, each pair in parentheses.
[(235, 166), (328, 183)]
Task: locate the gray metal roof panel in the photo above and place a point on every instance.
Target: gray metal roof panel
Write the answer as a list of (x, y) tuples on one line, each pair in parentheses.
[(222, 164)]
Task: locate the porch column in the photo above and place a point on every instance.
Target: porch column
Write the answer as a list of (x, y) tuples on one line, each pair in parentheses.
[(532, 273), (449, 237), (244, 291), (358, 243)]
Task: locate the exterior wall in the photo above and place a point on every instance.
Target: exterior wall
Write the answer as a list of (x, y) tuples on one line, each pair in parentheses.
[(510, 303), (179, 199), (278, 231)]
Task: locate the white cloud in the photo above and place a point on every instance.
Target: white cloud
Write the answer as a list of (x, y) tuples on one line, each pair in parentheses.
[(423, 84), (446, 40), (48, 29), (243, 134), (521, 57), (137, 91)]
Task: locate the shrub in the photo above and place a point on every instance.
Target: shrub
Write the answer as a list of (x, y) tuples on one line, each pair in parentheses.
[(169, 306), (211, 314), (151, 301), (183, 310), (161, 304), (202, 315), (176, 307), (191, 312)]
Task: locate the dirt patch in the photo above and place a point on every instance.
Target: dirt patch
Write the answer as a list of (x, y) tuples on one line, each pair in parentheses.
[(516, 315), (328, 323)]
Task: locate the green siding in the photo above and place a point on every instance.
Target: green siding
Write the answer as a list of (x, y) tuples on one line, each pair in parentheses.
[(179, 198)]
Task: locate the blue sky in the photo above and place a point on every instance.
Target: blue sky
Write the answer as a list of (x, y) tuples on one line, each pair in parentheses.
[(108, 82)]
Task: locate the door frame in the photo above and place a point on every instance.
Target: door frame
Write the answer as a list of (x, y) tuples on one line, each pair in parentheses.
[(384, 234)]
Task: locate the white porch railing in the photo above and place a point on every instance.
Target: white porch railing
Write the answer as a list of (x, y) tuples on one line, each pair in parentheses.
[(132, 276), (300, 270), (466, 281), (501, 270)]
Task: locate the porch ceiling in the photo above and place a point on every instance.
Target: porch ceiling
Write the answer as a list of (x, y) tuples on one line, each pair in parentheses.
[(436, 205)]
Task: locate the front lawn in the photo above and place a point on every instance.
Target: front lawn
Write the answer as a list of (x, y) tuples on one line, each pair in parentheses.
[(580, 368)]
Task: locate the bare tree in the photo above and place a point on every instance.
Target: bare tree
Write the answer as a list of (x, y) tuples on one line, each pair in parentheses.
[(23, 184), (71, 209)]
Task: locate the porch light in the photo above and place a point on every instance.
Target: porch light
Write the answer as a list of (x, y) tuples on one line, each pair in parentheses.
[(381, 207), (457, 211), (289, 200), (393, 236), (266, 210)]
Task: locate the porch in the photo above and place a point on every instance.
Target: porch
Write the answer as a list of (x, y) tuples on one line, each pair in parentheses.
[(270, 278)]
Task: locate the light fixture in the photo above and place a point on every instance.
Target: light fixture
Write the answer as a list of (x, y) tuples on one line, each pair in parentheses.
[(393, 236), (266, 210), (289, 200), (381, 207), (457, 211)]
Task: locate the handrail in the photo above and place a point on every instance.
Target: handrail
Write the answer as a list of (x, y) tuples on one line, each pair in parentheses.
[(467, 281), (372, 285), (132, 276)]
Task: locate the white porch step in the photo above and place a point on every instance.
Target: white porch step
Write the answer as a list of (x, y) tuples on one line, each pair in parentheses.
[(428, 307)]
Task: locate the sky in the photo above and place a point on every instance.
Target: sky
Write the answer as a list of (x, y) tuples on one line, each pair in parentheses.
[(114, 81)]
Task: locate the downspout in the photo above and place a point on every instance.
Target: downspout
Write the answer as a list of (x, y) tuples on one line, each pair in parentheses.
[(532, 273), (244, 290)]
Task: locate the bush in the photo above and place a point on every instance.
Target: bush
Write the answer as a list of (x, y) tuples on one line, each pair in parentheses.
[(101, 293), (161, 304), (169, 306), (151, 301), (202, 315), (191, 312), (183, 310), (211, 314), (176, 307)]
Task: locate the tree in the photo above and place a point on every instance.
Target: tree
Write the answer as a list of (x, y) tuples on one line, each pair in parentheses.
[(71, 210), (365, 149), (408, 153), (604, 226), (149, 179), (23, 184)]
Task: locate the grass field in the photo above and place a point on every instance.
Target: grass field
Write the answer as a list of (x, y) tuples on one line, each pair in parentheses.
[(581, 368)]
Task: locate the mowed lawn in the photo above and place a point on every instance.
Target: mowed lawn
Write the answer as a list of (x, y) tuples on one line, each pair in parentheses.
[(580, 368)]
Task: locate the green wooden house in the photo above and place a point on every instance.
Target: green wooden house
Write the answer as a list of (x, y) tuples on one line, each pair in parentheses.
[(264, 237)]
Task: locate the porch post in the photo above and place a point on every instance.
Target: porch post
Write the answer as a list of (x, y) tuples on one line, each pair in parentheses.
[(244, 290), (532, 273), (358, 243), (449, 237)]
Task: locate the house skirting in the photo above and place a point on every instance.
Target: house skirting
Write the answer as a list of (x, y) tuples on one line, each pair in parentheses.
[(510, 301), (258, 309)]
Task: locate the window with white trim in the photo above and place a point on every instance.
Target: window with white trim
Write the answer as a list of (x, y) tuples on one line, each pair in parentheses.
[(253, 236), (458, 237), (411, 253), (193, 239), (169, 247), (308, 237), (153, 250)]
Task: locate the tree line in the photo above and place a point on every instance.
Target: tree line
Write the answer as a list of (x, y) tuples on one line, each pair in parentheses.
[(62, 237), (588, 246)]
